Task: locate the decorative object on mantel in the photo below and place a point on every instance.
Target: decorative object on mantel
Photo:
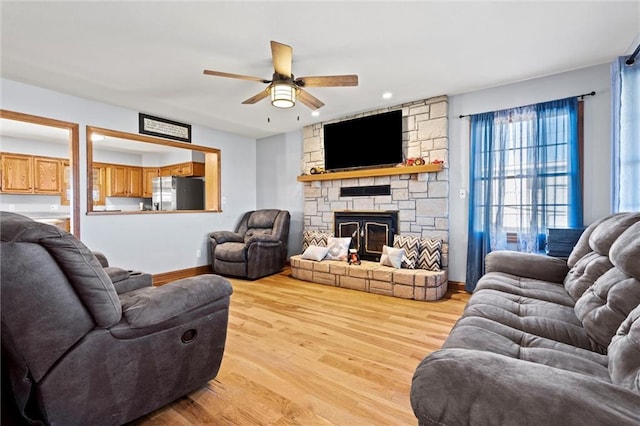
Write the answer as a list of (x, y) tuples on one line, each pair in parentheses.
[(437, 162), (316, 170), (415, 161), (161, 127)]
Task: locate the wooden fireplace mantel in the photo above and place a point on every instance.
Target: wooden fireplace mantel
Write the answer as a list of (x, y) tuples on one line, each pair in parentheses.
[(364, 173)]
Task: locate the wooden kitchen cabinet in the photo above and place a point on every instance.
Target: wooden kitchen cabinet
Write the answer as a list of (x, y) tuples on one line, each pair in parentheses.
[(135, 182), (117, 184), (99, 184), (65, 183), (48, 175), (28, 174), (148, 173), (17, 173), (124, 181), (187, 169)]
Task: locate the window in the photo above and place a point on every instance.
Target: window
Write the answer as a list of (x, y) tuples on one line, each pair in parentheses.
[(534, 177), (525, 178)]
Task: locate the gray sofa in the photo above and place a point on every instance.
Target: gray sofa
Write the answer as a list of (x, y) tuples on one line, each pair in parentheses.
[(256, 248), (75, 351), (543, 341)]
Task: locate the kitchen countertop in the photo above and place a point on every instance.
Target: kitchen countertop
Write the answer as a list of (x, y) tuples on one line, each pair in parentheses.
[(53, 215)]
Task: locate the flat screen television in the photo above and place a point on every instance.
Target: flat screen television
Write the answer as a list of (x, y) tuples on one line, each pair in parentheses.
[(371, 141)]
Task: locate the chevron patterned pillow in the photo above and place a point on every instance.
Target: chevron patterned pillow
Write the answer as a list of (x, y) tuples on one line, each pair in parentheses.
[(411, 246), (430, 253), (315, 238)]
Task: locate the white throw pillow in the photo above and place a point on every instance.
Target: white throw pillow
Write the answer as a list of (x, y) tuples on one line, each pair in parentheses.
[(316, 253), (338, 248), (392, 257)]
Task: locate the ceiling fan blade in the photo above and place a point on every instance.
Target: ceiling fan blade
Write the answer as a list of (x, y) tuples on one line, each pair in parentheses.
[(328, 81), (282, 57), (256, 98), (309, 100), (241, 77)]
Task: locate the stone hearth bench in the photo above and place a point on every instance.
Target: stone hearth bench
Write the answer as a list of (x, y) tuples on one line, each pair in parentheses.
[(372, 277)]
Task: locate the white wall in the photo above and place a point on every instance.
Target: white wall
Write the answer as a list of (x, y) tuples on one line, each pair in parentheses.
[(34, 147), (597, 149), (153, 243), (278, 165)]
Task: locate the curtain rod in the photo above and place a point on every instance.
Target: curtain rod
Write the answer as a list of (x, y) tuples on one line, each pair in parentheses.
[(632, 58), (592, 93)]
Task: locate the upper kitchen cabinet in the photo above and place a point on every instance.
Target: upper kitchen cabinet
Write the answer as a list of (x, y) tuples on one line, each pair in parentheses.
[(66, 194), (48, 175), (124, 181), (188, 169), (17, 173), (98, 184), (27, 174), (148, 173)]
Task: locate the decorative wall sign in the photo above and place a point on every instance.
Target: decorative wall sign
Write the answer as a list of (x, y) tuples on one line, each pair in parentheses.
[(155, 126)]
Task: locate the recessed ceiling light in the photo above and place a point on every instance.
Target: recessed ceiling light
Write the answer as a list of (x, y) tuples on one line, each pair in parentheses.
[(315, 113), (387, 95)]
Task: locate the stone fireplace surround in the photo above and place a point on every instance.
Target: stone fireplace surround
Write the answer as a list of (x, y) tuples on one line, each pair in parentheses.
[(421, 199)]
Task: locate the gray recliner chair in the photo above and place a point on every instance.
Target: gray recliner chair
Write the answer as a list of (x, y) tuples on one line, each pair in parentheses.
[(257, 247), (75, 352)]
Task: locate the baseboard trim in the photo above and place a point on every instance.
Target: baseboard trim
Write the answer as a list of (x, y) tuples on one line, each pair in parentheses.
[(456, 286), (167, 277)]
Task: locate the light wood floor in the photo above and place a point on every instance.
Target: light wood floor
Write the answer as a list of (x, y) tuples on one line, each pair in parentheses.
[(299, 353)]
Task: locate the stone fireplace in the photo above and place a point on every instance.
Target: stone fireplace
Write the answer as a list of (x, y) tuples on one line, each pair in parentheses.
[(421, 199)]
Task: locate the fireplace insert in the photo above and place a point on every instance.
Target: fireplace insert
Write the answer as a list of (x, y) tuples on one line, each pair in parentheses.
[(369, 231)]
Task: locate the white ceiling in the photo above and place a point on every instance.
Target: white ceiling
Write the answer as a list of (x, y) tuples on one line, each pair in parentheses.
[(149, 56)]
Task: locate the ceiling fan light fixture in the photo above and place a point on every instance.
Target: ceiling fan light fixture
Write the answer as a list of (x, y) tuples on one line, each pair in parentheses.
[(283, 95)]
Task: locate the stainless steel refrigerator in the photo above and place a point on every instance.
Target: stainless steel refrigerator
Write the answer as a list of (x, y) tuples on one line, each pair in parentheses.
[(177, 193)]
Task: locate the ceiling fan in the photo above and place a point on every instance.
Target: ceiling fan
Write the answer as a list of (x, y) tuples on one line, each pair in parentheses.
[(284, 87)]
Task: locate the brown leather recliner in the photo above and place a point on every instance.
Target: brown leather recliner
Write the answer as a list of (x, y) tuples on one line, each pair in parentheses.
[(257, 247)]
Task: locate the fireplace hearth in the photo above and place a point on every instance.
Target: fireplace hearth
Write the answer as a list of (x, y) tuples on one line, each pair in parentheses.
[(369, 230)]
